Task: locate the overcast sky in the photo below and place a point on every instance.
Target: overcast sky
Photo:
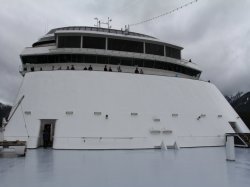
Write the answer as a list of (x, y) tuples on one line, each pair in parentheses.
[(215, 34)]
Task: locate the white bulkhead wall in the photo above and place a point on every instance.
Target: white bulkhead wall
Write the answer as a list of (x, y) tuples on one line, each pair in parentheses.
[(143, 110)]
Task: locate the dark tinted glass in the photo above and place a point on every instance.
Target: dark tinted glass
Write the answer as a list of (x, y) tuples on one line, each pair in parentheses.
[(126, 61), (160, 65), (125, 45), (69, 41), (102, 60), (89, 59), (114, 60), (173, 53), (94, 42), (42, 59), (154, 49), (138, 62), (67, 58), (149, 63), (77, 58)]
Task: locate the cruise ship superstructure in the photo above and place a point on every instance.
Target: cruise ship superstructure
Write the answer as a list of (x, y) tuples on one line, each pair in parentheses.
[(97, 88)]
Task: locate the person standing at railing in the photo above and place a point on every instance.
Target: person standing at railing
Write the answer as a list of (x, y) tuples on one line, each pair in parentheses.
[(90, 68), (136, 71), (105, 68), (119, 69)]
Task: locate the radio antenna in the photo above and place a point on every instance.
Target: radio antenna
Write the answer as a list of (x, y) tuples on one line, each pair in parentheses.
[(108, 23)]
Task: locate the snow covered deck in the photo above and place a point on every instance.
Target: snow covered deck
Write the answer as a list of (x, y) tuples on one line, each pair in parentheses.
[(184, 167)]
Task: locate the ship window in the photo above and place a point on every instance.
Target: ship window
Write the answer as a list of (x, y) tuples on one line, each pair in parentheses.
[(138, 62), (126, 61), (125, 45), (69, 41), (154, 49), (29, 59), (66, 58), (94, 42), (51, 59), (160, 65), (102, 60), (173, 53), (77, 58), (114, 60), (24, 59), (57, 58), (42, 59), (90, 59), (149, 63)]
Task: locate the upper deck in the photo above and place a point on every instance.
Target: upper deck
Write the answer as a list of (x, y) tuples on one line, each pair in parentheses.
[(85, 46)]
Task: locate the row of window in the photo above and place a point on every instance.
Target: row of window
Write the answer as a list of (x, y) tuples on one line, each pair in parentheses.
[(118, 45), (65, 58)]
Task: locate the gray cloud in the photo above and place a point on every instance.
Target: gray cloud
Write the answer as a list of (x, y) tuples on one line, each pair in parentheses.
[(215, 34)]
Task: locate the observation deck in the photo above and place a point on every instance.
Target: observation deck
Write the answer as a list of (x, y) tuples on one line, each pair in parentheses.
[(79, 47)]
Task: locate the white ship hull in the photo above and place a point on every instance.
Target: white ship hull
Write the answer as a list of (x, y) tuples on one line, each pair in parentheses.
[(111, 110)]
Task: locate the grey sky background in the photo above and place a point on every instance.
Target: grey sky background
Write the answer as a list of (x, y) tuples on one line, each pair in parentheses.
[(215, 34)]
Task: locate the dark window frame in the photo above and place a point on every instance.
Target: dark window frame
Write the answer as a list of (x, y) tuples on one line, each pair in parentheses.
[(125, 45), (69, 41), (93, 42), (154, 49)]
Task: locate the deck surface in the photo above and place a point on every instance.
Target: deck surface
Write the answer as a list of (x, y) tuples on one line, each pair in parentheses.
[(204, 167)]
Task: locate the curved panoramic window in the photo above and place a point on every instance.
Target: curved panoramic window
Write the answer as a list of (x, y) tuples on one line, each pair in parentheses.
[(114, 44), (126, 61), (79, 58), (94, 42), (115, 60), (138, 62), (125, 45), (173, 53), (90, 59), (69, 41), (149, 63), (102, 60), (154, 49)]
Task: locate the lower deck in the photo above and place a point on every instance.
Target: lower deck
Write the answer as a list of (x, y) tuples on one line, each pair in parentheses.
[(184, 167)]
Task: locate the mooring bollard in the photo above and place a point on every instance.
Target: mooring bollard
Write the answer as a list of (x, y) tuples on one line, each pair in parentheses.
[(230, 150)]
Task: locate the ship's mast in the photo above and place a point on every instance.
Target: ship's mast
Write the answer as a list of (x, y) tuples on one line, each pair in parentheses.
[(99, 22)]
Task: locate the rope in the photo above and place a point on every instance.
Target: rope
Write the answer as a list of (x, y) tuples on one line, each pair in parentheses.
[(164, 14)]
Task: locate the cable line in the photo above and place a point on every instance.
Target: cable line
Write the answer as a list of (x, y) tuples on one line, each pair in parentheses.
[(164, 14)]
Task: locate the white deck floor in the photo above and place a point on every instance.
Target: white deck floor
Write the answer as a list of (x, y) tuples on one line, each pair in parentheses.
[(185, 167)]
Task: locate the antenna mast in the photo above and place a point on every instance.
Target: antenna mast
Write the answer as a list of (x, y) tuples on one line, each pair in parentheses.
[(98, 23), (108, 23)]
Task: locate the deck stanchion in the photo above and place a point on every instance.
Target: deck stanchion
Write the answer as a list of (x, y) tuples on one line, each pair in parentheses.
[(230, 150)]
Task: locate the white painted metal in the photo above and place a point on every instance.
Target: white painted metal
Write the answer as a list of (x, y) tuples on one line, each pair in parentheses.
[(93, 109), (230, 150), (50, 94)]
